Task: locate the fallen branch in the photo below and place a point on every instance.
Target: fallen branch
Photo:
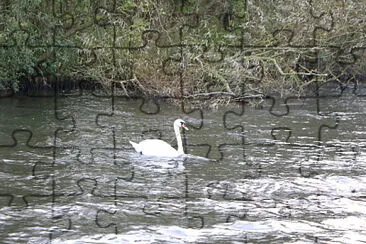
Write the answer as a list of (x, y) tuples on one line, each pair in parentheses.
[(210, 94), (248, 97)]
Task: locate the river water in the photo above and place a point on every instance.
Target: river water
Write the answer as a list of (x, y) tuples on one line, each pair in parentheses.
[(289, 171)]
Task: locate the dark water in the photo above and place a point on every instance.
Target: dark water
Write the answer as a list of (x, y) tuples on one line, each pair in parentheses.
[(289, 172)]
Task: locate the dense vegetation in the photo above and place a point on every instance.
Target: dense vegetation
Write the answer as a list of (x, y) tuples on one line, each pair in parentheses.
[(190, 48)]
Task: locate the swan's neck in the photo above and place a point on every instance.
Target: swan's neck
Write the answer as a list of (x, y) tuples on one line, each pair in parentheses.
[(179, 140)]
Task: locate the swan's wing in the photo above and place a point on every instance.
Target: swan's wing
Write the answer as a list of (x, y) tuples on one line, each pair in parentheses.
[(155, 147)]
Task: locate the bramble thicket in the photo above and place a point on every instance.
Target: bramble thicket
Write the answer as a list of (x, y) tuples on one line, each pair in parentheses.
[(233, 48)]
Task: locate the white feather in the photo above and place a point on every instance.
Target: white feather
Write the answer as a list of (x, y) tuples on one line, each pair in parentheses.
[(159, 148)]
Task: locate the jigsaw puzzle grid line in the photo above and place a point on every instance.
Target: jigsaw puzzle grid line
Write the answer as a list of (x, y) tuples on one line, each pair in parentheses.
[(193, 220)]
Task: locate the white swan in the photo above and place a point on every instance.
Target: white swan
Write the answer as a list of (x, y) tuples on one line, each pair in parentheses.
[(159, 148)]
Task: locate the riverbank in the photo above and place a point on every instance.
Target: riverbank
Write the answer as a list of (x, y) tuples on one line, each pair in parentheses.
[(209, 99), (197, 49)]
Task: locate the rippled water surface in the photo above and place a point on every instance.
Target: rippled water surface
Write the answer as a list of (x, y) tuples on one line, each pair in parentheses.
[(292, 171)]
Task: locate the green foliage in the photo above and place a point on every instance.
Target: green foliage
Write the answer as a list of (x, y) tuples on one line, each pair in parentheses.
[(26, 42), (122, 43)]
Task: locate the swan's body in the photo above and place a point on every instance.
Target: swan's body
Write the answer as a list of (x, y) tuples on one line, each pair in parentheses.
[(159, 148)]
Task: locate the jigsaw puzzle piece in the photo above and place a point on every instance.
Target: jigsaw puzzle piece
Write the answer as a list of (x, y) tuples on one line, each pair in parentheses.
[(76, 184), (220, 72), (350, 65), (70, 167), (273, 132), (222, 200), (344, 96), (160, 201), (118, 219), (26, 34), (33, 46), (221, 22), (345, 75), (30, 106), (211, 190), (32, 49), (123, 170), (182, 18), (76, 24), (246, 25), (26, 184), (323, 22), (84, 122), (76, 209), (201, 125), (318, 23), (78, 160), (142, 72), (92, 55), (21, 168), (360, 55), (346, 143)]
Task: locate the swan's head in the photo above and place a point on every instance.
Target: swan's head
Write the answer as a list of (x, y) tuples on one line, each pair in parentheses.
[(180, 124)]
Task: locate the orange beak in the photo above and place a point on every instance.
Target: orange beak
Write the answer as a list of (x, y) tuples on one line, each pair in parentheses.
[(184, 126)]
